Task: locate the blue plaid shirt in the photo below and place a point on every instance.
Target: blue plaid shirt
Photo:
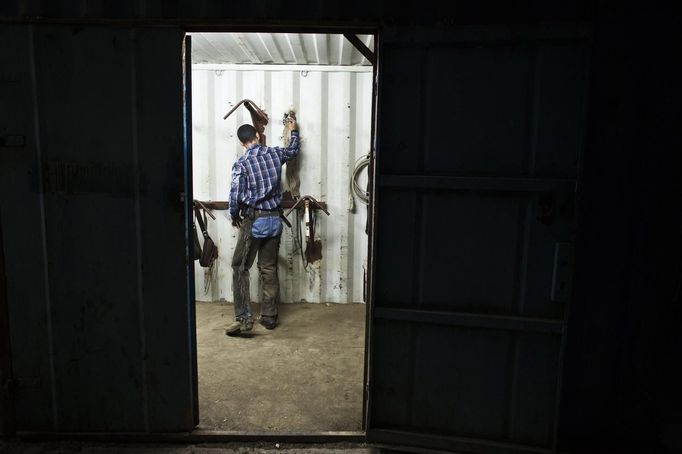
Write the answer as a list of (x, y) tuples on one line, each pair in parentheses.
[(256, 176)]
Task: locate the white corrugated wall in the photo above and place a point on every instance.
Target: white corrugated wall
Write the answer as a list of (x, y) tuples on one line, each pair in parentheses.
[(333, 108)]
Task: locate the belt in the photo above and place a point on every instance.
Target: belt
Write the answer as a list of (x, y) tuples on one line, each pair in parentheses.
[(265, 213)]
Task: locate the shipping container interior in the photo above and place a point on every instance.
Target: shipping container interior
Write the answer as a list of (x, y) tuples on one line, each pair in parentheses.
[(307, 374)]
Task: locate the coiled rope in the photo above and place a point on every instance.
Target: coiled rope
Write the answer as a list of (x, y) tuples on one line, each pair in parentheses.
[(355, 189)]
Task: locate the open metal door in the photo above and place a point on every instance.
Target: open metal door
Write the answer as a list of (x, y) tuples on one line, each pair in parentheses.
[(480, 136), (95, 235)]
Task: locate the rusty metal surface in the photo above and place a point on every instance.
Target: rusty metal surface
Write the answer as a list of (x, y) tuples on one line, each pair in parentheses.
[(224, 205)]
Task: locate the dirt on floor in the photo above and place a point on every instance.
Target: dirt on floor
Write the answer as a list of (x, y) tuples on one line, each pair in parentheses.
[(70, 447), (304, 376)]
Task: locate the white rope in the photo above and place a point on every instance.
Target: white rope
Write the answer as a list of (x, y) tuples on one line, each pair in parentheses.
[(355, 189)]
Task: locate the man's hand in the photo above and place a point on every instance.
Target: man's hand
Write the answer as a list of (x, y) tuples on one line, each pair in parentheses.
[(292, 125), (236, 222)]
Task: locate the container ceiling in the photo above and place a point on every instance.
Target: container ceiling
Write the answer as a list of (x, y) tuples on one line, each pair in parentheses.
[(277, 49)]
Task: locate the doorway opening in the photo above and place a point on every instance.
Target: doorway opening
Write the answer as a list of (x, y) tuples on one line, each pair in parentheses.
[(307, 375)]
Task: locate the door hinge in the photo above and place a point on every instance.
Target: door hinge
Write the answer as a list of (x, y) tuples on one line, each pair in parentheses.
[(562, 274)]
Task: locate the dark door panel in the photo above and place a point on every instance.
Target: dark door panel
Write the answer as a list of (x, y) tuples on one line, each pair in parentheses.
[(474, 233), (103, 342)]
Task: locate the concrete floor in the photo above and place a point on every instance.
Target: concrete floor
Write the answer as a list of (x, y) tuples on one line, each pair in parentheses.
[(71, 447), (306, 375)]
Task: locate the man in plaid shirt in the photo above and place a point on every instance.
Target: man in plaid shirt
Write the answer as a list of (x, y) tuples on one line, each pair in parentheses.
[(255, 199)]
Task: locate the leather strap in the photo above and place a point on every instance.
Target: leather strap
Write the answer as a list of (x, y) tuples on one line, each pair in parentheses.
[(202, 221)]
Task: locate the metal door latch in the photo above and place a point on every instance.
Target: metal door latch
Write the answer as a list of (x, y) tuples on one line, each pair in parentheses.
[(12, 141)]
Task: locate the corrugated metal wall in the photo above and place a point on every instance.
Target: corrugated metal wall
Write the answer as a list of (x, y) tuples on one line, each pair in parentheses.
[(334, 114), (93, 230), (278, 49)]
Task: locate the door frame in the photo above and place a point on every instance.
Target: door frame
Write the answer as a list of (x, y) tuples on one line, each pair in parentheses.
[(189, 215), (315, 436)]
